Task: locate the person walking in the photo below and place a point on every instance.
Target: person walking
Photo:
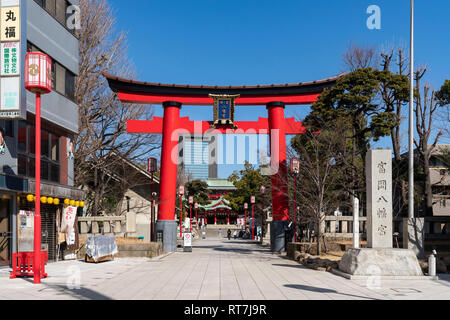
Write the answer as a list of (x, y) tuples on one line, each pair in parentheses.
[(220, 233), (229, 234), (235, 234)]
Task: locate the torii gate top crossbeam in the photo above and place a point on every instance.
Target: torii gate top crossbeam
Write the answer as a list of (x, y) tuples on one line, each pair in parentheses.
[(303, 93)]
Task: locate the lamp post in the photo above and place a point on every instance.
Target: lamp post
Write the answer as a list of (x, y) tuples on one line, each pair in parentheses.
[(196, 216), (411, 122), (152, 167), (253, 201), (181, 193), (153, 217), (295, 168), (38, 80), (245, 208), (262, 190), (191, 201)]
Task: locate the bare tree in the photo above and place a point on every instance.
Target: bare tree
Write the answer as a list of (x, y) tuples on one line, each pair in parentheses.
[(427, 104), (320, 174), (102, 117), (359, 57)]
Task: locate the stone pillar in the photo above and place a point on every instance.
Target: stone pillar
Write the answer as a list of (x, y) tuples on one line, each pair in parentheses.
[(332, 226), (379, 198), (106, 227), (169, 158), (414, 235), (280, 200), (344, 225)]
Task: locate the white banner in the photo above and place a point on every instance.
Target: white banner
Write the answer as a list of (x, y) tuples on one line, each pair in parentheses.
[(187, 223), (68, 220)]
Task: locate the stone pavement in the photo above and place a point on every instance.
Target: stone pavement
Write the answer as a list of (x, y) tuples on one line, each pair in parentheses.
[(217, 269)]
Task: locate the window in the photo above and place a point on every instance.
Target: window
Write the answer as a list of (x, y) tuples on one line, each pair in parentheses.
[(8, 127), (57, 9), (70, 85), (50, 166), (22, 144), (61, 6), (54, 148), (60, 79), (50, 6), (45, 144)]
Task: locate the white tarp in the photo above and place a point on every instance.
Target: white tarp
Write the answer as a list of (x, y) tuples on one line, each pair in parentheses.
[(101, 246)]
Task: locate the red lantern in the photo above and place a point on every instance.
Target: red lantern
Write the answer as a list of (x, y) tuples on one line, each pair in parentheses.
[(38, 73), (295, 165), (152, 165)]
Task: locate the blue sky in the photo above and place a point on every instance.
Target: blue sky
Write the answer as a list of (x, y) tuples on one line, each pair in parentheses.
[(244, 42)]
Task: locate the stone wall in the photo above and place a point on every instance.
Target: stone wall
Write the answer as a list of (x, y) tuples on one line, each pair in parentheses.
[(145, 250)]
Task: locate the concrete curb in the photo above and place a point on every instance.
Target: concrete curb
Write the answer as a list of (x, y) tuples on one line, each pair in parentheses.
[(162, 256), (352, 277)]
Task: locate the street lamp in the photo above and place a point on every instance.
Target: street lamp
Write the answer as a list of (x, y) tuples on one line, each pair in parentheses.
[(295, 168), (152, 167), (262, 190), (181, 193), (191, 201), (38, 80), (196, 216), (245, 220), (253, 201), (153, 216)]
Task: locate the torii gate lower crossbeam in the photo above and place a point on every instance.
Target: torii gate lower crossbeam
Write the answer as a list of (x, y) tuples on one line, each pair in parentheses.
[(171, 125)]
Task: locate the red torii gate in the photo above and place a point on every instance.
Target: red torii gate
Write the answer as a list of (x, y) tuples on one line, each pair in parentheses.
[(172, 97)]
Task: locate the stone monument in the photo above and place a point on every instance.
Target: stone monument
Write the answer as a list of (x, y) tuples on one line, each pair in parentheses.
[(379, 258)]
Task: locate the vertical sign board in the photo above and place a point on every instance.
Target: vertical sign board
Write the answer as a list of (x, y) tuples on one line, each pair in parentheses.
[(379, 198), (12, 55), (187, 237)]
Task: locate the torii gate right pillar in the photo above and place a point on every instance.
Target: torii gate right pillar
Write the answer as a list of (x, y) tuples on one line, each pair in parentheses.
[(280, 196)]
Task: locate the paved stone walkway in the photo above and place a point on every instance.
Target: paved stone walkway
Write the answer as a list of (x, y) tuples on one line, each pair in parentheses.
[(217, 269)]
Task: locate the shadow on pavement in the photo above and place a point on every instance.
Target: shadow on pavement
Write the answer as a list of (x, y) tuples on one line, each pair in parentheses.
[(298, 266), (82, 293), (322, 290)]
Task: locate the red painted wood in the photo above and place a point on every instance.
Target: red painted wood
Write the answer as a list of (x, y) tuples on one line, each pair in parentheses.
[(290, 126), (142, 98), (280, 200), (168, 188), (37, 208)]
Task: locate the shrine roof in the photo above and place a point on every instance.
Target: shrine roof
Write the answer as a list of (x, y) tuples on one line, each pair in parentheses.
[(118, 84)]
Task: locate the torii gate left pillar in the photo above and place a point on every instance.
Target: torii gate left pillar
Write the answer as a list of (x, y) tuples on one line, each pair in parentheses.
[(166, 222)]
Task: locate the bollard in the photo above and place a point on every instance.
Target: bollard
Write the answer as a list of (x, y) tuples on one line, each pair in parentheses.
[(432, 266)]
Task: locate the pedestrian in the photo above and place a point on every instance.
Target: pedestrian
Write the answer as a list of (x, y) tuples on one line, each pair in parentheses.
[(229, 234), (220, 233), (235, 234)]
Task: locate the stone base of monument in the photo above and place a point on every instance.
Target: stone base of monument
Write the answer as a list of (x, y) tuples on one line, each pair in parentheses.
[(385, 264)]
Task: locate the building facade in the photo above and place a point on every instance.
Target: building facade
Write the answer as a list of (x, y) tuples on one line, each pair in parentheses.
[(198, 156), (44, 28), (440, 180), (218, 211)]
